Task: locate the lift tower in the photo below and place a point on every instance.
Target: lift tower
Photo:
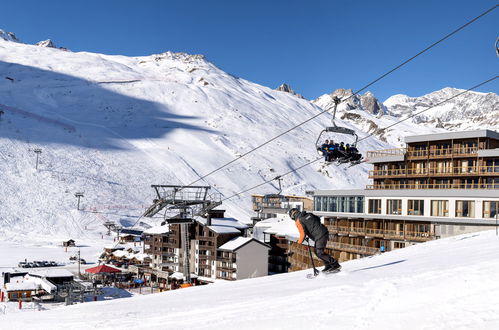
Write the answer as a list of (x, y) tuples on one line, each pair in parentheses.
[(181, 204)]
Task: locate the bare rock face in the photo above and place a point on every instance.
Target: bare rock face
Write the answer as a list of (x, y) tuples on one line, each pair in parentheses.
[(46, 43), (8, 36), (286, 88), (367, 102), (371, 103)]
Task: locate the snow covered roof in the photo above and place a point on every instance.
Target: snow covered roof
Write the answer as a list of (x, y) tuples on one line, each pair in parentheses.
[(224, 230), (140, 256), (115, 247), (21, 286), (228, 222), (276, 226), (57, 272), (156, 230), (180, 276), (120, 253), (238, 242)]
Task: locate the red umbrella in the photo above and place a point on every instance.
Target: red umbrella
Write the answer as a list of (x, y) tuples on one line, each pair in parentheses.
[(102, 269)]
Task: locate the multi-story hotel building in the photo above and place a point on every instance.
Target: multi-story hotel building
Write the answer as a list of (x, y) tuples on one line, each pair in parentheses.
[(439, 185)]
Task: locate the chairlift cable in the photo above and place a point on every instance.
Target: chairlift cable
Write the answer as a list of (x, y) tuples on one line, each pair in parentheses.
[(355, 93), (389, 126)]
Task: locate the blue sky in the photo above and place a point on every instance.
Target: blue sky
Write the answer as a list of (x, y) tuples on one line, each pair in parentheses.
[(315, 46)]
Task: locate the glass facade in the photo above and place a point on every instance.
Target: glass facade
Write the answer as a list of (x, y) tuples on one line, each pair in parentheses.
[(346, 204)]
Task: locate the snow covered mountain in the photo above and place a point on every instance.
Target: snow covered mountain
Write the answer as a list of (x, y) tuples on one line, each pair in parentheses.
[(110, 126), (470, 111), (442, 284), (8, 36), (368, 114)]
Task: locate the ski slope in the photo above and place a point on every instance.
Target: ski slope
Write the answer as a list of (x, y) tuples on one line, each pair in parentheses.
[(444, 284)]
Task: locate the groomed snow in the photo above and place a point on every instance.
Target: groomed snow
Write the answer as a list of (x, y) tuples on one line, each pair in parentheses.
[(444, 284)]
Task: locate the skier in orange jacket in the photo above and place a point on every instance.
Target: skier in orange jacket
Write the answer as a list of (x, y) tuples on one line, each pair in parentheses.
[(309, 225)]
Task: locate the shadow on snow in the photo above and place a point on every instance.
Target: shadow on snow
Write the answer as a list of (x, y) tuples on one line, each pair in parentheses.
[(41, 106)]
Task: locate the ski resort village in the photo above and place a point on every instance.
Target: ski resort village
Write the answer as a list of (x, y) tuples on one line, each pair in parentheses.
[(161, 192)]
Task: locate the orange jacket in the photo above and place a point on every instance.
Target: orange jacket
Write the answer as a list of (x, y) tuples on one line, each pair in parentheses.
[(300, 229)]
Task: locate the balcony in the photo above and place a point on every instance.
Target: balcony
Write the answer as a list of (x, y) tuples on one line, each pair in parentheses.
[(382, 233), (226, 268), (398, 186), (204, 246), (424, 153), (227, 259), (386, 153), (366, 250), (436, 172)]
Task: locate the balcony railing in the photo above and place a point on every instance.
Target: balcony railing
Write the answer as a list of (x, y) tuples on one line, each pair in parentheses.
[(397, 186), (445, 171), (386, 152), (425, 153), (352, 248), (382, 233), (233, 259)]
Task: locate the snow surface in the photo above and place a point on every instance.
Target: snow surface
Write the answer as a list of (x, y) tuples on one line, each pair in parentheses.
[(235, 243), (444, 284)]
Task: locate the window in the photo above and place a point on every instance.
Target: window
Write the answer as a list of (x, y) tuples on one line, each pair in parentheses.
[(465, 209), (360, 204), (333, 204), (398, 245), (415, 207), (375, 206), (348, 204), (439, 208), (490, 209), (394, 206)]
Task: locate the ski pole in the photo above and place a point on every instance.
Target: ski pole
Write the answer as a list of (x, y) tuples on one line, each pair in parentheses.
[(316, 272)]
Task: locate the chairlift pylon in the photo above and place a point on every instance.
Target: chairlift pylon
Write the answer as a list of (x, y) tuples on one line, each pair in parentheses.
[(338, 130), (278, 194)]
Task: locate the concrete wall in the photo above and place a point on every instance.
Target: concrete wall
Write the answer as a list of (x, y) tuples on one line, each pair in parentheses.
[(252, 261)]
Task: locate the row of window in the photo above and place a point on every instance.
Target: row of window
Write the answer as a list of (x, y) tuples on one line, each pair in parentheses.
[(438, 208), (348, 204)]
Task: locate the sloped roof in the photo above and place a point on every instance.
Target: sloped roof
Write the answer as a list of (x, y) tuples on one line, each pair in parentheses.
[(228, 222), (238, 242), (102, 269), (157, 230), (224, 230), (22, 286)]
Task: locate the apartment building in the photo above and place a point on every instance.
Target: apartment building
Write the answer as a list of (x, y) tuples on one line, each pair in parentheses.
[(439, 185)]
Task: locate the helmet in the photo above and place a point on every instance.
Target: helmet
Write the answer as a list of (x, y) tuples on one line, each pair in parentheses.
[(293, 213)]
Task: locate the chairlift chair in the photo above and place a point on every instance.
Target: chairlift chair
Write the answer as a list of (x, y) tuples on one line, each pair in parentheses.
[(337, 130)]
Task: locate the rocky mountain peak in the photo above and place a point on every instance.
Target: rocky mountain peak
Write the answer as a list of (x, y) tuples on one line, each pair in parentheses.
[(367, 102), (286, 88), (46, 43), (8, 36)]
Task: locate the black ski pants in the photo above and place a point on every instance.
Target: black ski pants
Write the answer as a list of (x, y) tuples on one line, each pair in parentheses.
[(319, 247)]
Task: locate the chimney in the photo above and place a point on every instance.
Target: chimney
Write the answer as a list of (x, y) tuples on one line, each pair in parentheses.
[(214, 214)]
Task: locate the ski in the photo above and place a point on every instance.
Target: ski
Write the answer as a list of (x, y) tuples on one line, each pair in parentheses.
[(314, 275)]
